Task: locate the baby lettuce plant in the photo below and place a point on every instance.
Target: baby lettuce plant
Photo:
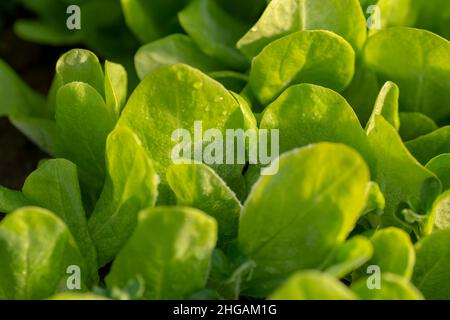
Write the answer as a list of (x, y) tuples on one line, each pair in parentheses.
[(357, 208)]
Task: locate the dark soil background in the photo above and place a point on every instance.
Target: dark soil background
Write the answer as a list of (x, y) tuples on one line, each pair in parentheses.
[(35, 65)]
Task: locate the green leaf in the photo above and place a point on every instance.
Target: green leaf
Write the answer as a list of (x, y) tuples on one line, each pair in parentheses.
[(394, 13), (229, 272), (386, 105), (427, 147), (393, 252), (54, 186), (432, 15), (392, 287), (307, 114), (40, 131), (371, 217), (26, 109), (173, 49), (11, 200), (149, 20), (283, 17), (418, 61), (414, 125), (80, 65), (440, 166), (16, 95), (403, 181), (83, 123), (77, 296), (116, 86), (375, 199), (318, 57), (198, 186), (441, 212), (131, 185), (133, 290), (312, 285), (349, 256), (171, 249), (362, 92), (293, 220), (431, 274), (171, 99), (214, 31), (46, 32), (35, 249)]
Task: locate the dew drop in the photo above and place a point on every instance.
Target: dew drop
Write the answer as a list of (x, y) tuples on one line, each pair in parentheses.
[(218, 99)]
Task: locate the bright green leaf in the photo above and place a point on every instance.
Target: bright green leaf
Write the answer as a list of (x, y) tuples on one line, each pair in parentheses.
[(54, 186), (79, 65), (198, 186), (441, 212), (131, 185), (349, 256), (318, 57), (294, 219), (393, 252), (171, 249), (76, 296), (375, 199), (312, 285), (386, 105), (392, 287), (35, 249), (282, 17), (171, 99), (116, 83), (83, 123), (418, 61), (403, 181), (307, 114)]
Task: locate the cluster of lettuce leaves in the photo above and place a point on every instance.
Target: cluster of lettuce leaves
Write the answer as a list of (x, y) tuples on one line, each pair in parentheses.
[(364, 170)]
